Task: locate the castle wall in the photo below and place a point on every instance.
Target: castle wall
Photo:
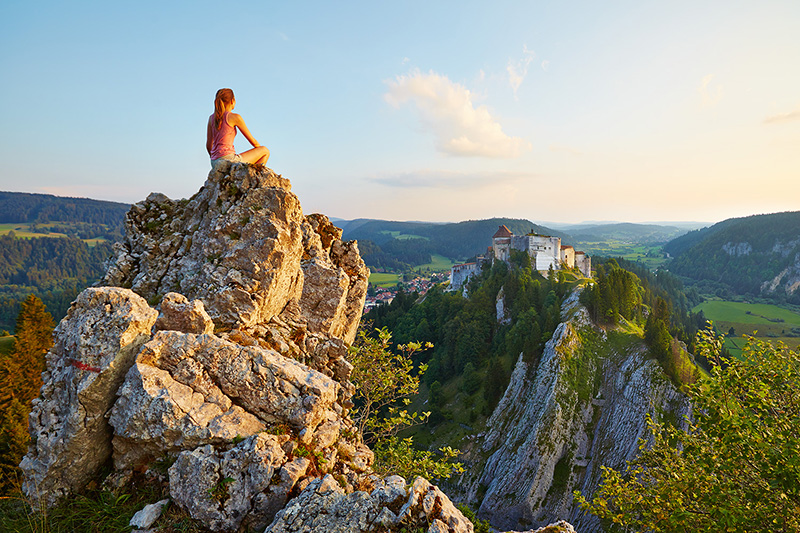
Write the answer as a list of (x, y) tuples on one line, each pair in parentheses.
[(502, 247), (460, 274), (584, 263), (568, 256), (520, 242)]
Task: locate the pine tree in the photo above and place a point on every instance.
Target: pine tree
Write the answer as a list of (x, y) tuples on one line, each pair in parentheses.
[(21, 379)]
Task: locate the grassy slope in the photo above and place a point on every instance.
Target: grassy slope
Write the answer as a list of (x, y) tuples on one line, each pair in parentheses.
[(439, 263), (765, 319), (22, 231), (384, 279)]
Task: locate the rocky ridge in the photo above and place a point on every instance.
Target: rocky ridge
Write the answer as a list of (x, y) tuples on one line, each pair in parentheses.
[(217, 345), (581, 407)]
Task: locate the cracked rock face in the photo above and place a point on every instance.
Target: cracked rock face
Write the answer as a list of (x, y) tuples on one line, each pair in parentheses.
[(243, 486), (187, 389), (95, 344)]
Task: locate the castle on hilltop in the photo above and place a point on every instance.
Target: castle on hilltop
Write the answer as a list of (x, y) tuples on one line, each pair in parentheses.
[(546, 252)]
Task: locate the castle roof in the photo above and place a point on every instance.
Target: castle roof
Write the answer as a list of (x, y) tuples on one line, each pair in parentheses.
[(502, 231), (565, 246), (582, 253)]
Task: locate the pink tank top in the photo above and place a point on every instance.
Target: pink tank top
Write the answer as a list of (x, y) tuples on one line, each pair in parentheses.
[(222, 138)]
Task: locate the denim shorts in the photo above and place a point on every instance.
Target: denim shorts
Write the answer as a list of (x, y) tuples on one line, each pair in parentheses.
[(233, 158)]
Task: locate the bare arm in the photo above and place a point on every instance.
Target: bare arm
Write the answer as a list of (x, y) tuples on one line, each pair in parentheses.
[(209, 135), (237, 121)]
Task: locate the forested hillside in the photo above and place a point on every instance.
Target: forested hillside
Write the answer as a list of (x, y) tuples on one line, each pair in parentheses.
[(55, 270), (27, 207), (471, 346), (625, 231), (752, 256), (475, 349)]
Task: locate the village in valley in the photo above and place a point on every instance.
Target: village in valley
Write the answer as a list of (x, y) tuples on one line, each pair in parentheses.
[(546, 253), (420, 283)]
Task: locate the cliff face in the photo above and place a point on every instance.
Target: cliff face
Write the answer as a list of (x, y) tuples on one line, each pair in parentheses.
[(582, 407)]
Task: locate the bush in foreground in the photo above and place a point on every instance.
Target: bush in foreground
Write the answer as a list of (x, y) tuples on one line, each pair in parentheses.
[(737, 465)]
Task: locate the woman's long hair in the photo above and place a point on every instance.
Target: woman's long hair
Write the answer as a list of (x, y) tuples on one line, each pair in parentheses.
[(224, 97)]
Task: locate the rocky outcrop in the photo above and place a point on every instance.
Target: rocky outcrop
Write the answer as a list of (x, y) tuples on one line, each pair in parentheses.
[(582, 407), (325, 506), (220, 347), (247, 484), (788, 279), (179, 314), (243, 247), (186, 390)]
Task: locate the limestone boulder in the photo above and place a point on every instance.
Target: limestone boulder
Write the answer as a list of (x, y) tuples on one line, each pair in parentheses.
[(95, 345), (238, 488), (148, 515), (186, 390), (179, 314)]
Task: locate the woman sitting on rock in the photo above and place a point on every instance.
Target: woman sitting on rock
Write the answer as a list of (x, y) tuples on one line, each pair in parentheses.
[(222, 129)]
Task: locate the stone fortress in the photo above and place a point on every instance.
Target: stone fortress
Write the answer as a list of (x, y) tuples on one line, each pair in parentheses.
[(545, 252)]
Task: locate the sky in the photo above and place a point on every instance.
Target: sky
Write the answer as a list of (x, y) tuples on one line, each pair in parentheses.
[(439, 111)]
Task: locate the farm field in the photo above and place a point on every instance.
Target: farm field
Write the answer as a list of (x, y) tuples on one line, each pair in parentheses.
[(439, 263), (23, 230), (383, 279), (399, 235), (770, 322)]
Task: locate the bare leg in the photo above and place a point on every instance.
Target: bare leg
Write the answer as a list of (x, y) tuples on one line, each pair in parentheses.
[(259, 155)]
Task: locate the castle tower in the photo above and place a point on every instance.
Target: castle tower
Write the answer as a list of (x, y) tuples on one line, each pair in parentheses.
[(501, 243)]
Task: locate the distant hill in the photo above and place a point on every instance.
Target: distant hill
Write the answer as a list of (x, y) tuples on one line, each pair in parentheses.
[(42, 208), (624, 231), (410, 243), (751, 256)]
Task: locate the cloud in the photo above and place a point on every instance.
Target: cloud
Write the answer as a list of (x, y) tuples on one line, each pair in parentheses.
[(283, 36), (545, 65), (461, 129), (450, 181), (783, 117), (405, 60), (517, 70), (710, 95)]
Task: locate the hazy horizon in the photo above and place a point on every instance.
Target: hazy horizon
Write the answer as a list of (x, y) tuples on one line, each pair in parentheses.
[(447, 111)]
